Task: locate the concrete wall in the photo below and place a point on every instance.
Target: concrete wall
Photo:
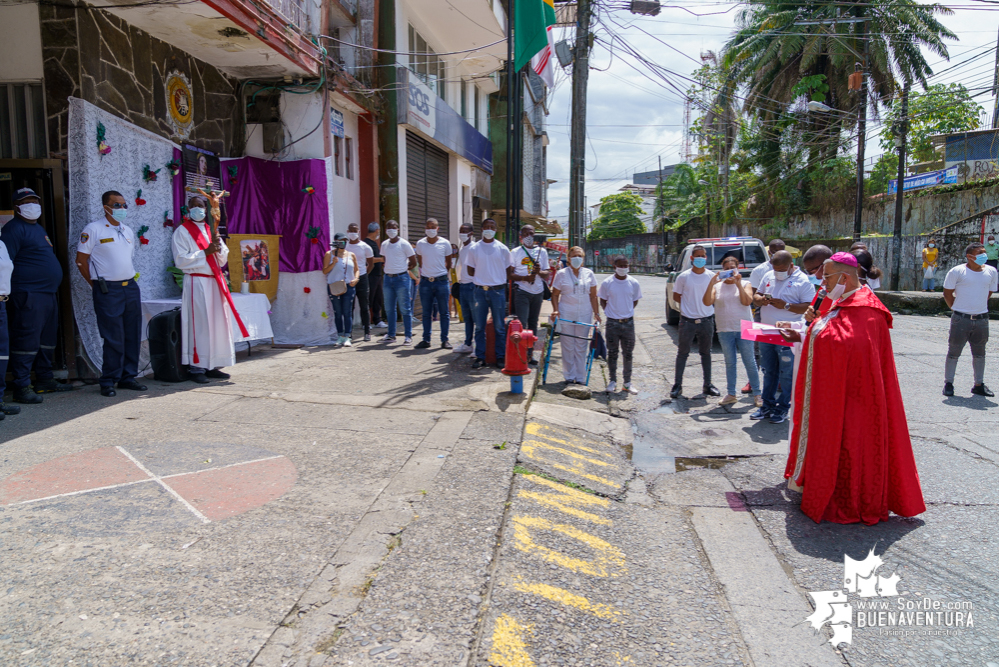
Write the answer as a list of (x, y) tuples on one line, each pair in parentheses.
[(22, 43)]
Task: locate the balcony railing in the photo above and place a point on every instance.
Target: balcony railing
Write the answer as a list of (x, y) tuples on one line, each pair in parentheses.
[(293, 10)]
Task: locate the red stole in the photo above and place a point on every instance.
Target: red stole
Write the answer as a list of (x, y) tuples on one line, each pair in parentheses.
[(199, 238)]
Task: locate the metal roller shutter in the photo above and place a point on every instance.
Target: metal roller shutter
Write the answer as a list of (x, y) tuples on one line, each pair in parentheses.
[(427, 186)]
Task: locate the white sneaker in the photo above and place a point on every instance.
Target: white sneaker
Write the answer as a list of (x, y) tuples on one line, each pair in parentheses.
[(408, 341), (628, 388), (462, 349), (386, 339), (382, 325), (347, 343), (612, 387)]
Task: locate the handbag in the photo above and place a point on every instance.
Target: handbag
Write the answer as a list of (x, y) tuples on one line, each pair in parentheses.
[(548, 291), (339, 287)]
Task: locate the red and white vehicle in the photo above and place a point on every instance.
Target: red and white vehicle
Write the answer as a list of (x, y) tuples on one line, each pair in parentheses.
[(750, 252)]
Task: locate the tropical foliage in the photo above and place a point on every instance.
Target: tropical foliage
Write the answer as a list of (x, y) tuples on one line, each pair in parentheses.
[(619, 216)]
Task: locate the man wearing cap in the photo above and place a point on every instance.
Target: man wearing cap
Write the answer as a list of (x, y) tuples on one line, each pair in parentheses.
[(104, 257), (32, 307)]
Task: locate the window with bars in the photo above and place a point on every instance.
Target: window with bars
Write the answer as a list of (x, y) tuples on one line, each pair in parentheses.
[(348, 152), (426, 64), (22, 121), (337, 149)]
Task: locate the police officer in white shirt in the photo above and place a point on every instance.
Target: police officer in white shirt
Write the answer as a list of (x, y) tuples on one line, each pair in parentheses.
[(530, 271), (466, 287), (104, 257), (6, 269), (433, 253), (967, 289)]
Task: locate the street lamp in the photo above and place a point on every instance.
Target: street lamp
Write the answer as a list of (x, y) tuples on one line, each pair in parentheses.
[(819, 107)]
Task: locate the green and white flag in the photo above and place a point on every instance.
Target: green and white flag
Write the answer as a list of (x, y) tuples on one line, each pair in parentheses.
[(533, 39)]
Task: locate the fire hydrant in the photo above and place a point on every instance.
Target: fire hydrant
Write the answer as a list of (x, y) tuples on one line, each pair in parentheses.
[(519, 342)]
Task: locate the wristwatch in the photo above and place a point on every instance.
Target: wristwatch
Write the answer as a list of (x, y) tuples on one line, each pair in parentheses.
[(787, 306)]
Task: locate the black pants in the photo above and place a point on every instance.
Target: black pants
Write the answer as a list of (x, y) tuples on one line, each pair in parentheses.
[(119, 319), (527, 307), (361, 293), (376, 298), (34, 318), (619, 334), (704, 330)]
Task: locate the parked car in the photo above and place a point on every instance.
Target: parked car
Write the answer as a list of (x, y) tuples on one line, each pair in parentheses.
[(750, 252)]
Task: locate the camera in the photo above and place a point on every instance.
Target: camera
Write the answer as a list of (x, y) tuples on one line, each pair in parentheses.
[(339, 245)]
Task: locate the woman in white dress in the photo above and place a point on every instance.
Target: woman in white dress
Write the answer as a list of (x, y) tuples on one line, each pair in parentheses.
[(574, 297)]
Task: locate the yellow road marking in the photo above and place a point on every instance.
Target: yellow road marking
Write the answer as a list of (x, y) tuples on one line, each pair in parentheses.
[(561, 450), (563, 596), (578, 469), (509, 649), (564, 494), (534, 429), (608, 563)]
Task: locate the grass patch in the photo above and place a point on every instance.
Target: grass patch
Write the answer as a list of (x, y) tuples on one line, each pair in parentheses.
[(519, 470), (502, 445), (328, 643)]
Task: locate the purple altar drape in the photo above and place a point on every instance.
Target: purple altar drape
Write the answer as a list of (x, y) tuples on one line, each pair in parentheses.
[(268, 198)]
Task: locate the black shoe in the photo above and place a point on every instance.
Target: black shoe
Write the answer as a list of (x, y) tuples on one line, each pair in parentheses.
[(949, 389), (711, 390), (981, 390), (26, 395), (423, 345), (9, 409), (108, 391), (675, 391), (51, 387), (132, 384), (216, 374), (478, 363), (531, 361), (198, 378), (500, 363), (446, 346)]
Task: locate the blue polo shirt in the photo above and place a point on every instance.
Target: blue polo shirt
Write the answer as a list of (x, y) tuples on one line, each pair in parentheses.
[(36, 268)]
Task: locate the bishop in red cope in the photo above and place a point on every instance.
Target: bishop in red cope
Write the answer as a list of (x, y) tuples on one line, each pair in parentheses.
[(850, 456)]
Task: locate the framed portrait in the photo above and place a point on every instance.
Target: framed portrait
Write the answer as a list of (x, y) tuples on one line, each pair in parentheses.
[(253, 258)]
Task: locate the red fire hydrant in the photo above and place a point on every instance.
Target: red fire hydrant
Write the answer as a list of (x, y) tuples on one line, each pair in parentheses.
[(519, 342)]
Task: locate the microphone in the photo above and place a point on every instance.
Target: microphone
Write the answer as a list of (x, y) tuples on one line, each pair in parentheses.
[(818, 301)]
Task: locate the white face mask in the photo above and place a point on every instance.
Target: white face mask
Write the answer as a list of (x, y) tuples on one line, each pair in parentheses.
[(488, 233), (463, 237), (30, 211), (837, 291), (391, 233), (431, 233), (527, 241), (576, 262), (621, 270), (781, 275), (353, 236)]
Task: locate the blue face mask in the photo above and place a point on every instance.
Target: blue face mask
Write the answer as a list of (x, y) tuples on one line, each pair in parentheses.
[(981, 258), (699, 262), (814, 280), (119, 214)]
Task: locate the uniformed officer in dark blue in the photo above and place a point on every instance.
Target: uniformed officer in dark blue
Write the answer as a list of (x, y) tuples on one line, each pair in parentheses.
[(104, 257), (32, 308)]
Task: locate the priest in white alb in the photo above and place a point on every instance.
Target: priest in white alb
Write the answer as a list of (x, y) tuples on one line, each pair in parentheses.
[(199, 252)]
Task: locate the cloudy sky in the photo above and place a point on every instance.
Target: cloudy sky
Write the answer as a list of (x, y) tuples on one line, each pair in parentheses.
[(633, 118)]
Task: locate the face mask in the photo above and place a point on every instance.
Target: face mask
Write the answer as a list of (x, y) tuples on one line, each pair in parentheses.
[(353, 236), (933, 245), (576, 262), (463, 237), (431, 233), (837, 291), (699, 262), (981, 258), (488, 233), (391, 233), (814, 280), (120, 214), (992, 241), (780, 275), (621, 270), (528, 241), (31, 211), (197, 214)]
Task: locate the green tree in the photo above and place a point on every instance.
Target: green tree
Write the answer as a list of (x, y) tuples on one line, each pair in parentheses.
[(619, 216), (942, 109)]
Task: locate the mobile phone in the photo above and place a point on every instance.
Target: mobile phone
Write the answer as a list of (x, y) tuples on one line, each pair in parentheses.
[(729, 273)]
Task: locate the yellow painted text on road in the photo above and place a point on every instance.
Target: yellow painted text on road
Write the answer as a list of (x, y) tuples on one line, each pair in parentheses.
[(530, 447), (609, 561), (565, 496), (509, 648), (536, 430), (563, 596)]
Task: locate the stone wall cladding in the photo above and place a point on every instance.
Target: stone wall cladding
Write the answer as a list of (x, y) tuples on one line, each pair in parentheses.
[(102, 59)]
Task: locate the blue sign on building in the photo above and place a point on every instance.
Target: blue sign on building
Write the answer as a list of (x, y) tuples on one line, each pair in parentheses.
[(926, 180)]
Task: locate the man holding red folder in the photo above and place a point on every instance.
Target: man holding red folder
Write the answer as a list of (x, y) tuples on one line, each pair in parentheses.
[(199, 252)]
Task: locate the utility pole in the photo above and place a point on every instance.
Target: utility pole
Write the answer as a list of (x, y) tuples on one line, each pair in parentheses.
[(995, 91), (577, 142), (861, 140), (896, 242), (510, 121)]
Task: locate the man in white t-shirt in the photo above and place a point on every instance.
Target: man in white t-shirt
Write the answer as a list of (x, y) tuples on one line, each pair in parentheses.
[(365, 261), (696, 320), (530, 271), (399, 259), (967, 289), (433, 253), (760, 270), (104, 257), (618, 296), (466, 287), (489, 266)]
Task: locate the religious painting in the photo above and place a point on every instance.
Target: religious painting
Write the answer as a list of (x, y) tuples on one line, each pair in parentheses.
[(256, 260)]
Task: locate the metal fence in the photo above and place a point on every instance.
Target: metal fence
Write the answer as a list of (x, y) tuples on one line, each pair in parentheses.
[(646, 253), (293, 10)]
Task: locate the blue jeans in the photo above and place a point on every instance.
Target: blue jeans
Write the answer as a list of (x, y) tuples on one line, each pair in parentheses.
[(732, 342), (343, 312), (466, 299), (436, 292), (778, 367), (487, 301), (929, 283), (397, 291)]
